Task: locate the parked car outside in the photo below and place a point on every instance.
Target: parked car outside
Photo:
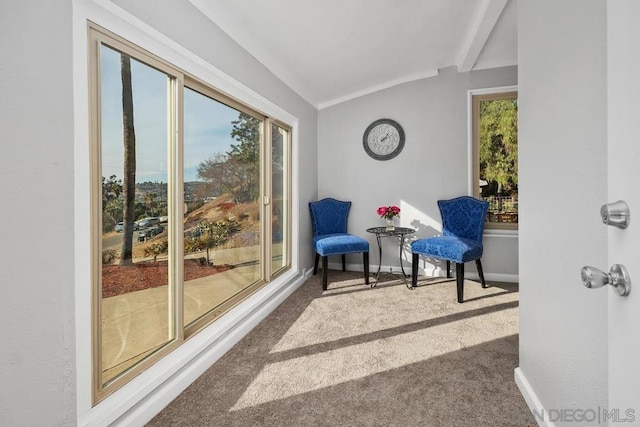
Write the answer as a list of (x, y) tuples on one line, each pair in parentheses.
[(156, 230), (120, 227), (149, 233), (148, 222)]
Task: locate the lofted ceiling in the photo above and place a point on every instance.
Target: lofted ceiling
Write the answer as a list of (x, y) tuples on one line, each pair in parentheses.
[(330, 51)]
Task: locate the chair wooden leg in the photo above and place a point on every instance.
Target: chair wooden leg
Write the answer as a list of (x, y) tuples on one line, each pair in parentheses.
[(480, 273), (448, 269), (325, 267), (365, 260), (344, 263), (415, 259), (315, 264), (460, 280)]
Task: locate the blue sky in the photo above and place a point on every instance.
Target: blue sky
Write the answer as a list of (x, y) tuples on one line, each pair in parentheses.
[(207, 123)]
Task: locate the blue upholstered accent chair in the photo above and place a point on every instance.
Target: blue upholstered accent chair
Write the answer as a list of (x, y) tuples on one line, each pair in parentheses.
[(461, 241), (330, 237)]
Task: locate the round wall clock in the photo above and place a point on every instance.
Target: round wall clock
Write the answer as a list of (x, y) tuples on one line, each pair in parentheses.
[(383, 139)]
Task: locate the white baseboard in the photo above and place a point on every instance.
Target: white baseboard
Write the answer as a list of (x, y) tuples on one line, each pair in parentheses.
[(153, 402), (531, 398), (338, 266), (436, 272), (372, 268), (307, 272), (494, 277)]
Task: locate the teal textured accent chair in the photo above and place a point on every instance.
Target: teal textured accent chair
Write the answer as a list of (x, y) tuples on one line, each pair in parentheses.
[(330, 237), (461, 241)]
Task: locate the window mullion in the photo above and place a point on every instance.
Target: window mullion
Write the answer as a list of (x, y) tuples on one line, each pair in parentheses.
[(176, 205), (265, 161)]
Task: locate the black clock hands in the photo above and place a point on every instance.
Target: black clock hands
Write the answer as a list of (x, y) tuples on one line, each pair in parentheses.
[(383, 139)]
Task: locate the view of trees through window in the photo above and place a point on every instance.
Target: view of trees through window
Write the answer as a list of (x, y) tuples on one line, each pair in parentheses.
[(497, 153), (279, 196), (229, 157), (221, 191), (134, 211)]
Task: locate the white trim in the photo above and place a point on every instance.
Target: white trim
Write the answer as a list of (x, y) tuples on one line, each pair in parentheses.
[(142, 397), (82, 217), (248, 43), (494, 277), (377, 88), (485, 22), (489, 90), (470, 95), (120, 22), (435, 271), (395, 269), (531, 398), (471, 275), (496, 64), (308, 273), (500, 232)]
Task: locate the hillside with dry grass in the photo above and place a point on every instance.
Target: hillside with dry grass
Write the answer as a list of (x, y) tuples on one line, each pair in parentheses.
[(117, 280), (222, 208)]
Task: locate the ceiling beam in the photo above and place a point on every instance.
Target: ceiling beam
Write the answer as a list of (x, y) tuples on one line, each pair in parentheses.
[(486, 20)]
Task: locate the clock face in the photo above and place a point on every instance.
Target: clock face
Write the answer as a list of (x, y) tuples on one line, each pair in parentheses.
[(383, 139)]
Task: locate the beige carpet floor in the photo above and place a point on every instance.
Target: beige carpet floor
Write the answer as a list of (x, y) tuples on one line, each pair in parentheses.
[(356, 356)]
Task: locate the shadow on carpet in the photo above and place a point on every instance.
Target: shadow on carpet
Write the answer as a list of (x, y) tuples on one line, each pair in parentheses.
[(360, 356)]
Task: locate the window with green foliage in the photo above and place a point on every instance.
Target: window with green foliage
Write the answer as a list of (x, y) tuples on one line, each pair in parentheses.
[(222, 186), (495, 153), (191, 200)]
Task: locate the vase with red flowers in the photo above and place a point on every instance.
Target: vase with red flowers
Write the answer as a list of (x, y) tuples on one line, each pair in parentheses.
[(388, 213)]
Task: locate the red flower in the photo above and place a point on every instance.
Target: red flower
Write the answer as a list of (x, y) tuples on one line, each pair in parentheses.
[(388, 212)]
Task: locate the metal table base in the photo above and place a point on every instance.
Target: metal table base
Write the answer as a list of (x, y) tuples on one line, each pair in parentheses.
[(381, 232)]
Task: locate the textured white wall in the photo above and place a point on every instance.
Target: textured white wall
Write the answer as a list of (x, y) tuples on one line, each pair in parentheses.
[(432, 166), (562, 81), (37, 354)]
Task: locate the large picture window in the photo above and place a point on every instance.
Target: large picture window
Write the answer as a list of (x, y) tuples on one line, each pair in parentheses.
[(191, 206), (495, 156)]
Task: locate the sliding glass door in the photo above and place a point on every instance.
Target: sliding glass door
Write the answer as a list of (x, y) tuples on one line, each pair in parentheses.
[(222, 220), (191, 203), (135, 294)]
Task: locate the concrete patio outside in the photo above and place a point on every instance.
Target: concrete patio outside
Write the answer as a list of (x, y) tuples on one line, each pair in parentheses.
[(136, 324)]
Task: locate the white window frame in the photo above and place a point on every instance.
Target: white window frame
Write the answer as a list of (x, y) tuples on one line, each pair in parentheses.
[(470, 160), (146, 394)]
